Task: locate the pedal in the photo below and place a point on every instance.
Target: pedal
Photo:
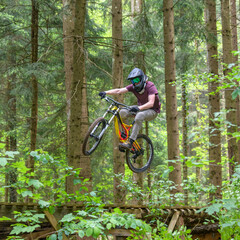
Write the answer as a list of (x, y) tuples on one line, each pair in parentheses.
[(121, 149), (134, 157)]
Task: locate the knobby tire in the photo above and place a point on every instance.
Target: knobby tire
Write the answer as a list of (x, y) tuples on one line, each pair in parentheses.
[(146, 156), (87, 147)]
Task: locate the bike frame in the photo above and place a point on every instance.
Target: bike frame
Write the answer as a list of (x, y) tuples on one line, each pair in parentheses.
[(114, 109)]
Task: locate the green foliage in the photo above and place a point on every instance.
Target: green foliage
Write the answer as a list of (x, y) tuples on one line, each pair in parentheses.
[(5, 218), (7, 156), (93, 220), (91, 223), (226, 211), (161, 233), (30, 217)]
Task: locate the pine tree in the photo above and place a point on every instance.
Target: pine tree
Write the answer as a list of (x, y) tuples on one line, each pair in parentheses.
[(215, 167), (171, 97), (74, 29), (230, 104), (117, 69)]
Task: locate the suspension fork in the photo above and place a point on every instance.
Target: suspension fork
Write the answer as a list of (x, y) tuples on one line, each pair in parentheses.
[(107, 121), (114, 113)]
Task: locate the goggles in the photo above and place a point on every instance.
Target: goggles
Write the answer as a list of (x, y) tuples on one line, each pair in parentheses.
[(135, 80)]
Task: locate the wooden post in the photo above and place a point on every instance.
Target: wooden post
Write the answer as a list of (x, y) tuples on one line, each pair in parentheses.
[(176, 221), (120, 234), (53, 222), (173, 221)]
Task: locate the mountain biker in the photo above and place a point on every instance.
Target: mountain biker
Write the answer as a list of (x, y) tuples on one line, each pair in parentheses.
[(148, 102)]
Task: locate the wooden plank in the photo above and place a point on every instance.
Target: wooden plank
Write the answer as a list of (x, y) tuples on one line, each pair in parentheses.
[(120, 232), (54, 222), (120, 238), (37, 235), (207, 236), (173, 221)]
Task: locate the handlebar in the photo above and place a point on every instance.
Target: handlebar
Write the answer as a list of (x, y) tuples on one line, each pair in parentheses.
[(118, 104), (108, 99)]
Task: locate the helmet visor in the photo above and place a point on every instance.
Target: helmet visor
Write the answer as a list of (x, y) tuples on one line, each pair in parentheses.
[(135, 80)]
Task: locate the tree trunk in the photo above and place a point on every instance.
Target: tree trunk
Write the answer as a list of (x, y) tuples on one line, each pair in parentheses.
[(85, 163), (171, 96), (136, 9), (7, 147), (235, 59), (183, 69), (197, 144), (234, 29), (230, 104), (149, 171), (74, 62), (117, 69), (215, 167), (34, 109), (185, 139), (68, 43), (11, 121)]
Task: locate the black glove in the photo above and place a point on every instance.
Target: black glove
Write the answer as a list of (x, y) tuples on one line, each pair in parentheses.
[(134, 109), (102, 94)]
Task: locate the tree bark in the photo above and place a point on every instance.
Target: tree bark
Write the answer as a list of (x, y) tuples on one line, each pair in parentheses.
[(74, 63), (117, 69), (183, 68), (230, 104), (185, 138), (235, 59), (234, 29), (136, 9), (85, 163), (197, 144), (215, 167), (7, 142), (171, 96), (34, 82), (11, 121), (68, 43)]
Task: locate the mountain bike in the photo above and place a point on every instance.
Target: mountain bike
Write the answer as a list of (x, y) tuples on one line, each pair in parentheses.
[(139, 157)]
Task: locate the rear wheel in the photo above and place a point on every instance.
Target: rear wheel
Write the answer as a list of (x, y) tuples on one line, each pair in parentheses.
[(93, 136), (140, 156)]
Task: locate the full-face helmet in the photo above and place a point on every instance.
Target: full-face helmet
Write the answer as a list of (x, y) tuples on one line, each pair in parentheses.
[(138, 79)]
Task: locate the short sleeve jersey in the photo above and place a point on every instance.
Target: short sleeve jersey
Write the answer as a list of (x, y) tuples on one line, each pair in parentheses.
[(150, 89)]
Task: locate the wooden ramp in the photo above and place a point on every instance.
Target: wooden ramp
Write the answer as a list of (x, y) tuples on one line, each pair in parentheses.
[(172, 216)]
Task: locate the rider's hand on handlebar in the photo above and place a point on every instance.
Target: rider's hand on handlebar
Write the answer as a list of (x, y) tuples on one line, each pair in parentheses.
[(134, 109), (102, 94)]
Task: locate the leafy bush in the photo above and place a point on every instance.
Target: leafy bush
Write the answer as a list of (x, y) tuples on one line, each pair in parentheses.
[(227, 210), (93, 220)]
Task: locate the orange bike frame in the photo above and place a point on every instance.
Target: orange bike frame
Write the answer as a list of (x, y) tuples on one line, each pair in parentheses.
[(126, 128)]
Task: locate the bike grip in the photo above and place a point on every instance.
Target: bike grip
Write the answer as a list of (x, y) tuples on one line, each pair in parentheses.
[(102, 94)]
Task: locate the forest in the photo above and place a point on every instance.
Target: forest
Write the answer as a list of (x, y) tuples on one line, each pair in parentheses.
[(57, 56)]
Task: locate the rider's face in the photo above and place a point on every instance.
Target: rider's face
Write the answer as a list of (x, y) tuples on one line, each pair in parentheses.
[(136, 81)]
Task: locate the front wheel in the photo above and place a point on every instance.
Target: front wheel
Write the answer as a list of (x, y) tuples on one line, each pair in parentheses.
[(93, 136), (140, 156)]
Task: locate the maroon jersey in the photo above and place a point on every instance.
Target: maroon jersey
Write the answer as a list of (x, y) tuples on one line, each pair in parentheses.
[(150, 89)]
